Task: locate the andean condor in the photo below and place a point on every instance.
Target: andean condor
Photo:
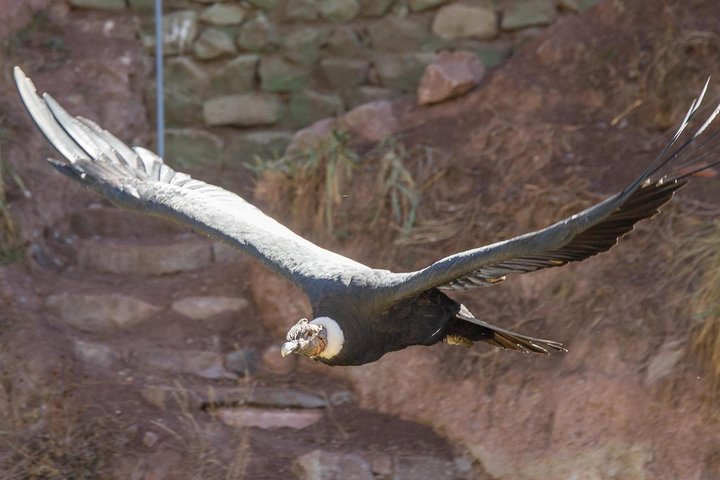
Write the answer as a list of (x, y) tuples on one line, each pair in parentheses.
[(361, 313)]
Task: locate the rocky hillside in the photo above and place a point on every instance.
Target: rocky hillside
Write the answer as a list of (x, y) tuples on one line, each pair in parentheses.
[(566, 122)]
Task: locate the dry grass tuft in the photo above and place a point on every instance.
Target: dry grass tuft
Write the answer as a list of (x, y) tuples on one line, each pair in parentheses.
[(54, 441), (198, 439), (664, 84), (333, 191), (700, 262), (295, 181), (11, 185)]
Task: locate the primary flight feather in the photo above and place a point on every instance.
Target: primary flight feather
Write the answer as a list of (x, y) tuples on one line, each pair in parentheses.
[(361, 313)]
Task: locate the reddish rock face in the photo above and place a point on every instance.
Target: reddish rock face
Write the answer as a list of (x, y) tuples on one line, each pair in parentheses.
[(280, 304), (450, 75)]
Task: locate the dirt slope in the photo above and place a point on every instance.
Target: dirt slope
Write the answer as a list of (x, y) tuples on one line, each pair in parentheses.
[(571, 118)]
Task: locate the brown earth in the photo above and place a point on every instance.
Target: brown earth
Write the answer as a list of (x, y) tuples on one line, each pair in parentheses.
[(545, 135)]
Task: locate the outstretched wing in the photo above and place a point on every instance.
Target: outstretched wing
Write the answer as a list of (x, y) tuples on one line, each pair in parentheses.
[(594, 230), (138, 179)]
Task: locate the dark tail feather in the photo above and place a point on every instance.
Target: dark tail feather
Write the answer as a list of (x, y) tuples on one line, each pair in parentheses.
[(502, 338)]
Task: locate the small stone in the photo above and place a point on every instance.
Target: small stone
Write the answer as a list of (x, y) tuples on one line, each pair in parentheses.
[(375, 8), (298, 10), (197, 362), (99, 313), (257, 34), (94, 353), (571, 5), (398, 34), (192, 147), (245, 147), (285, 398), (242, 362), (223, 14), (268, 419), (451, 74), (373, 121), (307, 106), (423, 468), (213, 43), (528, 13), (236, 76), (155, 395), (179, 31), (463, 21), (150, 439), (323, 465), (338, 11), (493, 55), (303, 45), (463, 465), (280, 75), (99, 4), (117, 223), (203, 308), (163, 259), (342, 397), (259, 396), (366, 94), (578, 5), (380, 463), (266, 5), (142, 5), (274, 362), (342, 73), (343, 41), (422, 5), (309, 138), (243, 110), (184, 73), (182, 108), (402, 71)]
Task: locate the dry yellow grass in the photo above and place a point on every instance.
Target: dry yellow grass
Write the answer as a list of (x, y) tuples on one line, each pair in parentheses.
[(335, 192), (701, 263)]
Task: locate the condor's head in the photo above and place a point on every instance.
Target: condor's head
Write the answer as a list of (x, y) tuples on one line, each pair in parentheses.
[(319, 339)]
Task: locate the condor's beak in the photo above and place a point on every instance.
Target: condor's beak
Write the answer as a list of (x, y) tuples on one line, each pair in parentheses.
[(288, 348)]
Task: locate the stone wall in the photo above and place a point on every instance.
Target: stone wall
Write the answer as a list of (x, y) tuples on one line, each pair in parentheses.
[(242, 75)]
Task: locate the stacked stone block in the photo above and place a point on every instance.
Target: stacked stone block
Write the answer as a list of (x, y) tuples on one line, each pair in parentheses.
[(237, 69)]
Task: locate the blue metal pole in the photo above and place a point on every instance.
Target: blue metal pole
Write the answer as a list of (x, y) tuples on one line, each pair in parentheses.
[(159, 75)]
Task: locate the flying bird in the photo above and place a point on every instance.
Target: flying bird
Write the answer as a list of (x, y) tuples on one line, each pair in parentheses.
[(361, 313)]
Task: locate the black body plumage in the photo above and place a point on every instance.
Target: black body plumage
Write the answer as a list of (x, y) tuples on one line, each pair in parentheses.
[(378, 311)]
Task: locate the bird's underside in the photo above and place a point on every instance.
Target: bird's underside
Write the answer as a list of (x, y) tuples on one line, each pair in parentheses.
[(138, 179)]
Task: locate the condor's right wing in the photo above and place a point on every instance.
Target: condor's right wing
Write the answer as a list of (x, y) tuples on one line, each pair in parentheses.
[(138, 179)]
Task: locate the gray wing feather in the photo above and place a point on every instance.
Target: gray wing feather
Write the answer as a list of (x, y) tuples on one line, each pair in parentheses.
[(137, 178), (592, 231)]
